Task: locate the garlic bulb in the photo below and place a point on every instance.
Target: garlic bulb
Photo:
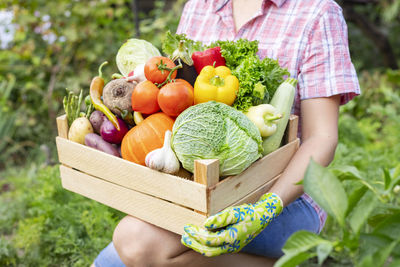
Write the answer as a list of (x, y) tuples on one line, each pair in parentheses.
[(163, 159)]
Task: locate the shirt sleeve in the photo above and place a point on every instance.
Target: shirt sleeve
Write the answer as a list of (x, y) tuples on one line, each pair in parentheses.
[(327, 68)]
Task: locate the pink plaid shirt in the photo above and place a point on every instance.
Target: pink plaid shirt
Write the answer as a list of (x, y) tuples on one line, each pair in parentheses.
[(308, 37)]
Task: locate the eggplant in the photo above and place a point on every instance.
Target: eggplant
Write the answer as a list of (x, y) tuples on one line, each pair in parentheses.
[(188, 73), (181, 56)]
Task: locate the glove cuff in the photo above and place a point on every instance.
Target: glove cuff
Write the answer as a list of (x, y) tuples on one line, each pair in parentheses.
[(273, 197)]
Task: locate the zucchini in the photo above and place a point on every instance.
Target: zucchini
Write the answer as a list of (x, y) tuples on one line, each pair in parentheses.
[(283, 102)]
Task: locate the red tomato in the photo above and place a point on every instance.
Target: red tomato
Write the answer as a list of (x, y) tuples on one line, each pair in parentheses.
[(154, 74), (175, 97), (144, 98)]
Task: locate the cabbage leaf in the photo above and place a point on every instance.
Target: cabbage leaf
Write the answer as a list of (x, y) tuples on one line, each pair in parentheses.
[(213, 130)]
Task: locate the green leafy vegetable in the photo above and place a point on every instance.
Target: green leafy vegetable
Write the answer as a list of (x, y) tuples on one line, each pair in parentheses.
[(213, 130), (133, 53), (235, 52), (258, 79), (171, 43)]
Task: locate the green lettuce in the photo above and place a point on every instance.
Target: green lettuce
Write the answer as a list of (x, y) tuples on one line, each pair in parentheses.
[(214, 130), (258, 79), (171, 42), (235, 52)]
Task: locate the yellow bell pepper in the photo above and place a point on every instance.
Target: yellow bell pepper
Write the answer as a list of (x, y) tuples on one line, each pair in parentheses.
[(216, 84)]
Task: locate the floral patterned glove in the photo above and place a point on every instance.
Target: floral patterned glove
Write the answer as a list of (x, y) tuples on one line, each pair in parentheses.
[(233, 228)]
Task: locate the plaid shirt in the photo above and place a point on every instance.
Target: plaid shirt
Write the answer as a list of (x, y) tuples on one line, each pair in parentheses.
[(308, 37)]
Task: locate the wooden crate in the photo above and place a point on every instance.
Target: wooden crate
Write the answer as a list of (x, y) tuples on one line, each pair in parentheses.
[(165, 200)]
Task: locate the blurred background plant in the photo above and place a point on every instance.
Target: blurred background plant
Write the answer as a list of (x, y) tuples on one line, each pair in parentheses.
[(48, 46)]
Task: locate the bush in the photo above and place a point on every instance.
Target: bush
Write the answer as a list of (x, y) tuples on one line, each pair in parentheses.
[(42, 224), (360, 189)]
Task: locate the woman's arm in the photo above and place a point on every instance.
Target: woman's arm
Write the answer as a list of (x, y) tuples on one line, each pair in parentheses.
[(319, 120)]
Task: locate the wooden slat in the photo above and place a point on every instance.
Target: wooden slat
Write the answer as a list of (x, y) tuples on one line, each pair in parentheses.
[(291, 130), (62, 126), (256, 194), (130, 175), (206, 172), (147, 208), (233, 188)]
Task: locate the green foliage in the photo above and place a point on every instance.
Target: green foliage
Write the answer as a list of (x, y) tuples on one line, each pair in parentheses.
[(7, 116), (42, 224), (171, 43), (384, 16), (59, 45), (360, 189), (360, 238), (153, 26)]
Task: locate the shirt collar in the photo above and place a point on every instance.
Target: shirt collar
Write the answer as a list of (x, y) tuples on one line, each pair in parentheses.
[(221, 4), (278, 3)]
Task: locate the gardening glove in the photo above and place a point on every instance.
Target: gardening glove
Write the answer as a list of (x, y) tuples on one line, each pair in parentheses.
[(233, 228)]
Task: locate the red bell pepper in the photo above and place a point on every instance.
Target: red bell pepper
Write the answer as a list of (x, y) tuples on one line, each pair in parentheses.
[(211, 56)]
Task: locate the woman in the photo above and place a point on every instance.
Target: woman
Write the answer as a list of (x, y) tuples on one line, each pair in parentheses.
[(309, 38)]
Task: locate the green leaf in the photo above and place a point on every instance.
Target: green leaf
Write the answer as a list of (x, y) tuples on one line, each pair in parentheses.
[(302, 241), (352, 173), (387, 177), (355, 197), (326, 190), (323, 251), (379, 257), (171, 43), (385, 211), (299, 243), (362, 210), (346, 172), (390, 227), (371, 243), (395, 177), (293, 260)]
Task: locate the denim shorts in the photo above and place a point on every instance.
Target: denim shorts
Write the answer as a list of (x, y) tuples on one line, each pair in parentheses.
[(298, 215)]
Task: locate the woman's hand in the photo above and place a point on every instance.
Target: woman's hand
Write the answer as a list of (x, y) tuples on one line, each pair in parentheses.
[(233, 228)]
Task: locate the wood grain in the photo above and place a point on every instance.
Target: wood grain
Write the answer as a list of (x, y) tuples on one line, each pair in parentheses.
[(291, 130), (62, 126), (206, 172), (229, 190), (147, 208), (256, 194), (130, 175)]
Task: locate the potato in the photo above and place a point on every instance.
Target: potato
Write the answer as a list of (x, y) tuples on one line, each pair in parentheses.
[(79, 129)]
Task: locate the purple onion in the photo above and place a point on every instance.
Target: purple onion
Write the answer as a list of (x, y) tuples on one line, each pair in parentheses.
[(110, 134)]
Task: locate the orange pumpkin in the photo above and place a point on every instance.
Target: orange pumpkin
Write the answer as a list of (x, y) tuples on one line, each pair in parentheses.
[(145, 137)]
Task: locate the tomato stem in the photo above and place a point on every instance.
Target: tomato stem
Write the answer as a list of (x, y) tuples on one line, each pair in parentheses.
[(171, 70)]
